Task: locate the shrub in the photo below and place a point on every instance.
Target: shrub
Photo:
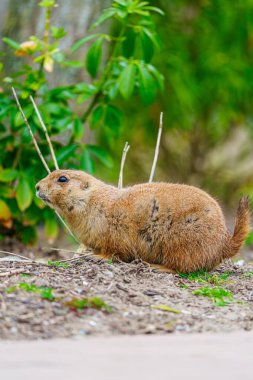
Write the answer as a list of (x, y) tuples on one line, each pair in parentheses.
[(126, 72)]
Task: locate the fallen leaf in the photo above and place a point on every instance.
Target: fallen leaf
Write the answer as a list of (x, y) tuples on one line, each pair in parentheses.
[(166, 308)]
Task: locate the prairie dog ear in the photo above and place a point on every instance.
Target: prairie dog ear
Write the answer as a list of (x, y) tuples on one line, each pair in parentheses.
[(84, 185)]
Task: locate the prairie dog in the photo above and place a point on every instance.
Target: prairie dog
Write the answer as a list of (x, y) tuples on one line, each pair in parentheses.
[(177, 227)]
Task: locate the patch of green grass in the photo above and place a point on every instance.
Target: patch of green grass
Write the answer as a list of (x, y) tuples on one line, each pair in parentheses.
[(58, 264), (26, 275), (183, 286), (205, 277), (44, 292), (85, 303), (109, 261), (219, 295)]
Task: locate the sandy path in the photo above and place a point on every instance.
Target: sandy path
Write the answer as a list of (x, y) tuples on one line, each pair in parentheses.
[(195, 356)]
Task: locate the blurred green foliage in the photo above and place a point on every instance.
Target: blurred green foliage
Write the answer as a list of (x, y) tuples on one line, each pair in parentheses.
[(124, 71), (206, 58), (208, 63)]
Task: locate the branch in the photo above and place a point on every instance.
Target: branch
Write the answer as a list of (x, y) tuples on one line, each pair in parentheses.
[(156, 149), (46, 134), (123, 159), (30, 131)]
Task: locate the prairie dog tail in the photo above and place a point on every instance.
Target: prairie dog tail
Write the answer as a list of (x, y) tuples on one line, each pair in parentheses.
[(242, 224)]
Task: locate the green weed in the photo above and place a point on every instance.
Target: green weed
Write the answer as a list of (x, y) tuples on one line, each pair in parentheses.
[(86, 303), (183, 286), (206, 277), (26, 275), (58, 264), (44, 292), (219, 295)]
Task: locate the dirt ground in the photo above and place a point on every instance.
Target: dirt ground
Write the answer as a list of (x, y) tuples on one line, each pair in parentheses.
[(38, 301)]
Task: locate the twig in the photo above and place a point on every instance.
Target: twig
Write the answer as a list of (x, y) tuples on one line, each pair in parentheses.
[(25, 260), (46, 134), (30, 131), (73, 259), (15, 254), (66, 226), (58, 249), (156, 149), (13, 272), (123, 159)]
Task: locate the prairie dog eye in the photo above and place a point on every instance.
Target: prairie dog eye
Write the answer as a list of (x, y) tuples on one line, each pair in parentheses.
[(62, 178)]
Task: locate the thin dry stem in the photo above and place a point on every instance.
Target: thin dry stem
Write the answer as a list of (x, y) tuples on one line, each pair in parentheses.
[(156, 149), (38, 149), (58, 249), (30, 131), (67, 227), (46, 134), (12, 272), (25, 260), (15, 254), (123, 159)]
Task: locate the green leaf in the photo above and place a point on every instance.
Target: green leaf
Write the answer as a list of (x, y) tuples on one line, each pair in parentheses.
[(147, 47), (106, 14), (15, 45), (101, 154), (158, 76), (113, 118), (93, 57), (78, 129), (8, 175), (24, 194), (47, 293), (6, 191), (147, 85), (87, 163), (152, 36), (127, 81), (113, 89), (166, 308), (5, 212), (64, 153), (85, 90), (128, 44), (52, 229), (154, 9), (47, 3), (97, 117), (18, 120), (58, 32), (124, 3), (72, 64), (83, 41)]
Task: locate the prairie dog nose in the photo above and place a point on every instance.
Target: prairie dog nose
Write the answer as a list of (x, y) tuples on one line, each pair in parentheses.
[(37, 187)]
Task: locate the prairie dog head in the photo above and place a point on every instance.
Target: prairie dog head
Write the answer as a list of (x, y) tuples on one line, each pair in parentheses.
[(66, 191)]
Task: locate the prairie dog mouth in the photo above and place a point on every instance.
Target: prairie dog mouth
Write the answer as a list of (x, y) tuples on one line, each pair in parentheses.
[(42, 196)]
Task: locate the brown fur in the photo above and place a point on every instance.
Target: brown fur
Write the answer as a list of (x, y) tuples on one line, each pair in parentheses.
[(179, 227)]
